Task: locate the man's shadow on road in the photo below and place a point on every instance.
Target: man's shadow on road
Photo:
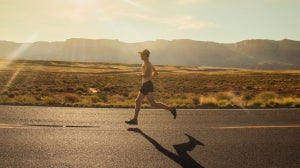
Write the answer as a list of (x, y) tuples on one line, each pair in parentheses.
[(183, 158)]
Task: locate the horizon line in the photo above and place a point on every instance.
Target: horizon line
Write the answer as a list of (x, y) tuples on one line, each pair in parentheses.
[(79, 38)]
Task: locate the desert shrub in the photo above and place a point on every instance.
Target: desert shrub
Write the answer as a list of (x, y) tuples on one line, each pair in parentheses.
[(102, 96), (287, 101), (256, 103), (224, 96), (265, 99), (95, 99), (71, 98), (11, 95), (132, 95), (296, 103), (238, 101), (116, 98), (196, 101), (4, 99), (59, 89), (208, 101), (108, 88), (25, 99), (266, 96), (79, 92), (290, 102), (38, 89), (247, 97), (82, 89), (125, 94), (70, 90), (180, 102), (51, 100), (5, 92), (223, 103), (273, 102)]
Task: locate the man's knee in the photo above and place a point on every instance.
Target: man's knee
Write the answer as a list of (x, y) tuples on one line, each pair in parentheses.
[(153, 103), (138, 101)]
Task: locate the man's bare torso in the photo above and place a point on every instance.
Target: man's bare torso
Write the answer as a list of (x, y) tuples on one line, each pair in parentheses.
[(146, 72)]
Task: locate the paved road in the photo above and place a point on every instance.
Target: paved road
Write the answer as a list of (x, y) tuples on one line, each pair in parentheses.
[(91, 137)]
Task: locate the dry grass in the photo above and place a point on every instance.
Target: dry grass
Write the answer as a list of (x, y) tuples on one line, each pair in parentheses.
[(68, 84)]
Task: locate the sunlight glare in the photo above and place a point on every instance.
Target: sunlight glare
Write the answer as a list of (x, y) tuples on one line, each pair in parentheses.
[(12, 78), (15, 55), (18, 52), (131, 3)]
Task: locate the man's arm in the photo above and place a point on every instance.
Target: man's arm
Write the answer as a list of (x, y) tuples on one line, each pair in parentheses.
[(154, 71)]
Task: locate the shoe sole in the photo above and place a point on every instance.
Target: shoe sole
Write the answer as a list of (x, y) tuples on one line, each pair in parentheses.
[(131, 123), (174, 113)]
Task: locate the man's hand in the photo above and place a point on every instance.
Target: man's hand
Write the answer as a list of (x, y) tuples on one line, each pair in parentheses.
[(154, 73)]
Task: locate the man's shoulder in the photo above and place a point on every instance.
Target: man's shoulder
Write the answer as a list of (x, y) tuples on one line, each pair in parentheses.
[(148, 63)]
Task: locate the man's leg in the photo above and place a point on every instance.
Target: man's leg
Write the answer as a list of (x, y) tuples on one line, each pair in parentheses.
[(138, 102), (150, 97), (153, 103)]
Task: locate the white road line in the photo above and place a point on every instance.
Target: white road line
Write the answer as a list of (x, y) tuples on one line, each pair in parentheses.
[(5, 126), (12, 126), (259, 126)]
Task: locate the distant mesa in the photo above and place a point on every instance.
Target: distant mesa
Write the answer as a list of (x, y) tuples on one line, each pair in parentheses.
[(253, 54)]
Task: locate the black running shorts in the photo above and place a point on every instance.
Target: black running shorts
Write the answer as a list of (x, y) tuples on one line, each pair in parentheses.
[(147, 87)]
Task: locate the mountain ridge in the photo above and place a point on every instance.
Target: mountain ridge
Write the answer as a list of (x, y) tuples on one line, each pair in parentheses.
[(252, 53)]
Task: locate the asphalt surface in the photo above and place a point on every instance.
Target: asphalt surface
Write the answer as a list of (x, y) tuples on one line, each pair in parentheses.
[(93, 137)]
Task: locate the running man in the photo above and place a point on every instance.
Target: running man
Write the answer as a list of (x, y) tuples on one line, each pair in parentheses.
[(147, 89)]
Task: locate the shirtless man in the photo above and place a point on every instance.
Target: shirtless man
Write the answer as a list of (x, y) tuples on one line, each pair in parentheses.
[(147, 89)]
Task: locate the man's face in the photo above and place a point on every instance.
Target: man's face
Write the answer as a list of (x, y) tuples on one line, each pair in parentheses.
[(143, 56)]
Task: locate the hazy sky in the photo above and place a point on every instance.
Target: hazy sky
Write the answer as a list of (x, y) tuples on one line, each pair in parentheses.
[(142, 20)]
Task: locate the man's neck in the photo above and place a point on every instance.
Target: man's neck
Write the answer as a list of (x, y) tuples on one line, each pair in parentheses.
[(146, 61)]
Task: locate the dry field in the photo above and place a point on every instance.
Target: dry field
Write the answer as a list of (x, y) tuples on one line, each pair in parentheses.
[(53, 83)]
